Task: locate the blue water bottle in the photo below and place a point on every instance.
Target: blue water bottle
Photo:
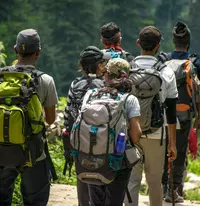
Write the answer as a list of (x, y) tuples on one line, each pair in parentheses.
[(120, 144)]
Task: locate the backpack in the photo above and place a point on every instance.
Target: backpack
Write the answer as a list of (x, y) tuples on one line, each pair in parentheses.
[(118, 54), (78, 89), (187, 85), (94, 134), (21, 117), (147, 84)]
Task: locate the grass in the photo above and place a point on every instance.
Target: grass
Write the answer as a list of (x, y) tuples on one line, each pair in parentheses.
[(17, 198), (56, 152), (194, 166), (193, 194)]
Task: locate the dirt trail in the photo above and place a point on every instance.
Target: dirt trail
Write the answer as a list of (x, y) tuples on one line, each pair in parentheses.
[(65, 195)]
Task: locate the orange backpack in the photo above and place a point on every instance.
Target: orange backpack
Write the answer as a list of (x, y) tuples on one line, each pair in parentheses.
[(187, 84)]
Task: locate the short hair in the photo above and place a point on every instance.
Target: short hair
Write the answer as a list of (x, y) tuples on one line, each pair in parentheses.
[(110, 33), (88, 68), (149, 37)]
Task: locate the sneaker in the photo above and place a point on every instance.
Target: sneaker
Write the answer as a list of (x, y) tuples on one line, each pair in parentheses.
[(164, 190), (177, 197), (180, 190)]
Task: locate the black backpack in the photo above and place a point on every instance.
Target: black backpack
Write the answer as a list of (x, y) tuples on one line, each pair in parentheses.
[(78, 89)]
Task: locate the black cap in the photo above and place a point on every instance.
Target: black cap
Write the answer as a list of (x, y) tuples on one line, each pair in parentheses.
[(28, 41), (92, 54)]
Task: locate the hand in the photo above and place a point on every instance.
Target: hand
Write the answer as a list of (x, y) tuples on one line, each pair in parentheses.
[(68, 162), (66, 141), (172, 152), (196, 124)]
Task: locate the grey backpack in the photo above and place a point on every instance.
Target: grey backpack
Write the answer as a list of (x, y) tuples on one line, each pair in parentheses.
[(78, 89), (147, 85), (94, 135)]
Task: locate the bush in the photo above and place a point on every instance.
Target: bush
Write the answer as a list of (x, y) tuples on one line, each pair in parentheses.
[(56, 152), (194, 166), (193, 194)]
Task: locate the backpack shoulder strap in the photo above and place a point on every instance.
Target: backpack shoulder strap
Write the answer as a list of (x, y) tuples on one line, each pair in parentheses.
[(39, 73), (124, 55), (159, 66), (8, 69), (193, 58), (163, 57)]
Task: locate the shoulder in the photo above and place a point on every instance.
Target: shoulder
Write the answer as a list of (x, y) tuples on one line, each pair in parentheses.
[(132, 106), (46, 79), (131, 101), (167, 73)]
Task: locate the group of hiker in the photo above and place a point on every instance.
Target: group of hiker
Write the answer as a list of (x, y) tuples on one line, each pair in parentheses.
[(124, 115)]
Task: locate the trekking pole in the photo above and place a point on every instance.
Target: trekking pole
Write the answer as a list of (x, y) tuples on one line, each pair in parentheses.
[(170, 170)]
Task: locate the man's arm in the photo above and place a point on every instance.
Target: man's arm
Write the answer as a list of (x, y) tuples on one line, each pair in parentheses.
[(50, 102), (135, 130), (171, 120), (50, 114), (133, 112)]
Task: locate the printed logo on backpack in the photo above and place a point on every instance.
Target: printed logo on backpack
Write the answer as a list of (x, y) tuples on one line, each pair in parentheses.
[(94, 137), (22, 122)]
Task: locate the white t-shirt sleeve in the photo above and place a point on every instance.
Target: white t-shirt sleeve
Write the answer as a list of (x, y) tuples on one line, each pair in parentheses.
[(169, 87), (51, 95), (132, 107)]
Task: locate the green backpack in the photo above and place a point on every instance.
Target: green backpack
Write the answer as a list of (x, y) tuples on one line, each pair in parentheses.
[(21, 117)]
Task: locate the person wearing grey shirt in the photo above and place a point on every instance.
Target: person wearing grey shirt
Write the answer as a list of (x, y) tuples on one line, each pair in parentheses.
[(35, 181)]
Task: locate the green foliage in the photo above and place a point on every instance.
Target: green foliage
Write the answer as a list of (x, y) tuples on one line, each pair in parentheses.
[(166, 15), (143, 189), (193, 194), (194, 166), (2, 55), (131, 16), (63, 33), (56, 152), (17, 198), (66, 27), (194, 26), (62, 103)]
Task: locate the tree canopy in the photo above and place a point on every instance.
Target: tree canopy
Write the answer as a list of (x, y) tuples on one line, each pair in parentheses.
[(66, 27)]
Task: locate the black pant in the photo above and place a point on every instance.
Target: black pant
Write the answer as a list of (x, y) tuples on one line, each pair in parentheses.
[(35, 185), (179, 165), (83, 194), (111, 194)]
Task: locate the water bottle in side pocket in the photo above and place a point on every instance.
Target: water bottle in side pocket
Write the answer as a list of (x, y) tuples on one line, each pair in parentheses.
[(120, 144)]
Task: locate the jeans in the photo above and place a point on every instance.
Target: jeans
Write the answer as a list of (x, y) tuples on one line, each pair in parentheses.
[(179, 164), (35, 184), (111, 194), (83, 194)]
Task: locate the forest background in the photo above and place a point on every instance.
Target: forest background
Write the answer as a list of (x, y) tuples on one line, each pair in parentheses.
[(66, 27)]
